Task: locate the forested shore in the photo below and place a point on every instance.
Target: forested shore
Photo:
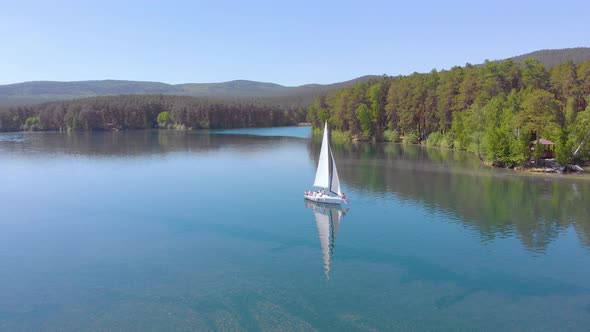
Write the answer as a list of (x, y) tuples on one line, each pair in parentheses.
[(495, 110), (123, 112)]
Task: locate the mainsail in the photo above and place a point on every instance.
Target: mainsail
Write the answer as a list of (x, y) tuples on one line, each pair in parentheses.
[(326, 175)]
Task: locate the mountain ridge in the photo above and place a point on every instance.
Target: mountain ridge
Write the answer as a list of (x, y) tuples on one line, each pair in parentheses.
[(32, 92), (44, 91), (553, 57)]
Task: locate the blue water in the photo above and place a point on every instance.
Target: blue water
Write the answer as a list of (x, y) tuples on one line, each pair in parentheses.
[(172, 230)]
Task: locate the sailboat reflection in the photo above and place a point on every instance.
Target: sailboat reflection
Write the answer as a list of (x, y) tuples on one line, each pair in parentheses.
[(327, 218)]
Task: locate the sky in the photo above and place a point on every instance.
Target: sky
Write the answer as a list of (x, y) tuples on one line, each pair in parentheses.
[(285, 42)]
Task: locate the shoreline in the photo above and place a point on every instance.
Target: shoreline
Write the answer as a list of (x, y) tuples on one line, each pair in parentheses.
[(300, 124), (521, 169), (524, 169)]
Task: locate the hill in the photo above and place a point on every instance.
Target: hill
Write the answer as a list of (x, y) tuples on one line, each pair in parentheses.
[(44, 91), (552, 58)]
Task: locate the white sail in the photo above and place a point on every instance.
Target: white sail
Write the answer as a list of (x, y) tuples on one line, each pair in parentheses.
[(335, 183), (326, 175), (322, 174)]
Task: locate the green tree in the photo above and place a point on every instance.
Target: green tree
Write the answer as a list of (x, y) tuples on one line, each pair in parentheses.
[(540, 114), (365, 117), (497, 130), (579, 136), (534, 74), (32, 123), (447, 92), (475, 127), (165, 120), (460, 130), (393, 105), (565, 84), (583, 74), (469, 88), (375, 100)]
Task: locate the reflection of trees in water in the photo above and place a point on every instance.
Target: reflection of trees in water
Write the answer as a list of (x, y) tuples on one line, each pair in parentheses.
[(136, 143), (496, 203)]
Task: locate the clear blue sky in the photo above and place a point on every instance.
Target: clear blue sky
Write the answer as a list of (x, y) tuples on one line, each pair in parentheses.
[(286, 42)]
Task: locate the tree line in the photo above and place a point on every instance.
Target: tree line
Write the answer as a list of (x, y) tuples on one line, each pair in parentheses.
[(123, 112), (496, 109)]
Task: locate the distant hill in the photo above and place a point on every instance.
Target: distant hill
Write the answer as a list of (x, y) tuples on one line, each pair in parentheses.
[(552, 58), (44, 91)]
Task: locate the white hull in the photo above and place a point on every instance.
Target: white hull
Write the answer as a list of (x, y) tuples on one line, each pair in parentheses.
[(325, 199)]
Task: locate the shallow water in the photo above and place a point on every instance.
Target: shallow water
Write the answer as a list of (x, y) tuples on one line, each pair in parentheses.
[(171, 230)]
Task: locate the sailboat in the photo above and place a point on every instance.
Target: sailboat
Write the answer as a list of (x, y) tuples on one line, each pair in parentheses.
[(326, 177), (327, 218)]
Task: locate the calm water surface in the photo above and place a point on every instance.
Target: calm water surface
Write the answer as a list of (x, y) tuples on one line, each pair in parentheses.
[(167, 230)]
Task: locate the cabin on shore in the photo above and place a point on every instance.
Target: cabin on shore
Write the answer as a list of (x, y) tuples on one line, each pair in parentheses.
[(547, 146)]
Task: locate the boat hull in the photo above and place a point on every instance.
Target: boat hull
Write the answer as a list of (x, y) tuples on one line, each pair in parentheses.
[(324, 199)]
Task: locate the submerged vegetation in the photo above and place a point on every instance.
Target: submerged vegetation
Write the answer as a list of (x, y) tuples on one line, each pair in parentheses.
[(495, 110), (150, 111)]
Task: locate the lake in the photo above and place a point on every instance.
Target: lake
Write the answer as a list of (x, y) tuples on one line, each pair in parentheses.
[(208, 230)]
